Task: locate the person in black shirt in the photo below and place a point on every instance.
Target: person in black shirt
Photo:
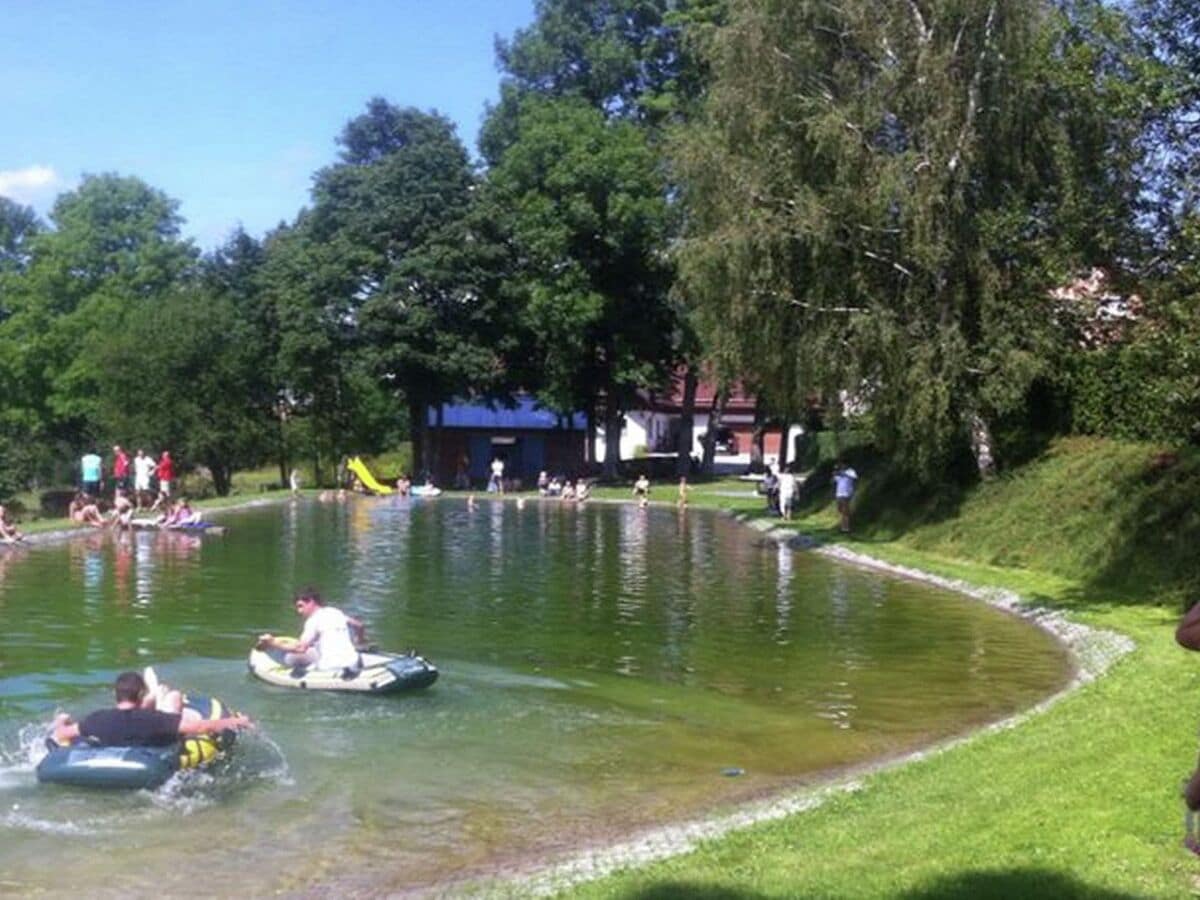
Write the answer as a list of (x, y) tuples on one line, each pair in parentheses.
[(135, 723)]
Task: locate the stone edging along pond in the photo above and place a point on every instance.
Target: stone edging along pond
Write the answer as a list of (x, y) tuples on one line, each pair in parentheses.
[(1092, 651)]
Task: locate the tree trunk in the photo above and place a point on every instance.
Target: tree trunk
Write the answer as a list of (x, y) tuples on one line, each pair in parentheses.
[(981, 446), (589, 446), (687, 422), (758, 438), (714, 425), (317, 467), (612, 437), (282, 449), (416, 434), (221, 478), (436, 456)]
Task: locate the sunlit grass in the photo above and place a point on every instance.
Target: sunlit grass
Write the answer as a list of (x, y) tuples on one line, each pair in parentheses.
[(1080, 801)]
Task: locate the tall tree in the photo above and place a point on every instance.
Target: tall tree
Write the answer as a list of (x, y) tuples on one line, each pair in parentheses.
[(881, 196), (115, 244), (633, 62), (325, 382), (18, 226), (184, 372), (588, 217), (396, 208)]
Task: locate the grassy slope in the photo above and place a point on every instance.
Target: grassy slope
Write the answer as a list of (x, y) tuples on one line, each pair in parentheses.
[(1082, 801)]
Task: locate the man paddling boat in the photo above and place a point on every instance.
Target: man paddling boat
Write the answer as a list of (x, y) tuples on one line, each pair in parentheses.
[(328, 640)]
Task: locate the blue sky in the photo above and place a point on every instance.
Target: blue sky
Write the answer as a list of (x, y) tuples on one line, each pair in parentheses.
[(228, 107)]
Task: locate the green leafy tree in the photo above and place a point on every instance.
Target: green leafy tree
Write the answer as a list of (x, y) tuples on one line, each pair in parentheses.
[(394, 212), (328, 393), (881, 196), (114, 244), (235, 272), (18, 226), (588, 219), (184, 372), (634, 62)]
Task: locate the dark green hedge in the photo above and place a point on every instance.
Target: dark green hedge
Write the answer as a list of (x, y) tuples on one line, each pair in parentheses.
[(1122, 392)]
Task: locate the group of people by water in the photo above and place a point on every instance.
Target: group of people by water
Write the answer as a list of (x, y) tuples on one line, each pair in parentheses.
[(147, 481), (141, 483), (782, 490)]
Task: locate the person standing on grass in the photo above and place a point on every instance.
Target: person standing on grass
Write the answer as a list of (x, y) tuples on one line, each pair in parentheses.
[(845, 479), (143, 469), (89, 474), (120, 469), (787, 493), (166, 473), (770, 488)]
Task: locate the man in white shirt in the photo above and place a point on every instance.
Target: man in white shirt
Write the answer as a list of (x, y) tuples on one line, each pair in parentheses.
[(326, 641), (496, 483), (143, 468)]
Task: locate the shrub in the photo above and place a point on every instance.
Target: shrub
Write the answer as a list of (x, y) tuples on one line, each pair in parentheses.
[(53, 503)]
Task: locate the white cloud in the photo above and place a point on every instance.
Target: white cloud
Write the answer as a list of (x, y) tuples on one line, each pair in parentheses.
[(32, 184)]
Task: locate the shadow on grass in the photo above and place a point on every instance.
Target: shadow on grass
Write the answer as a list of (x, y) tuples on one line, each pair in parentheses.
[(1028, 884), (1158, 530), (669, 890)]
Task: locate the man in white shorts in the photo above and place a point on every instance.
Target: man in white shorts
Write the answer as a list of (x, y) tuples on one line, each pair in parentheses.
[(143, 468), (787, 492)]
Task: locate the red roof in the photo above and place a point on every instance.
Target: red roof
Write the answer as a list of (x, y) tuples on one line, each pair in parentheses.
[(738, 401)]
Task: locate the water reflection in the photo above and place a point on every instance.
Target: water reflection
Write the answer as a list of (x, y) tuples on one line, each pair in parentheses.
[(599, 664), (785, 559)]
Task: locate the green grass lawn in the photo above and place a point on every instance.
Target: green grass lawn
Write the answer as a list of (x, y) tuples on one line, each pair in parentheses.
[(1079, 801)]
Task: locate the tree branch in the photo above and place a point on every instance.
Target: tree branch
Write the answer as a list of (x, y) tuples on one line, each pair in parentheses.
[(973, 91), (907, 273), (803, 304), (922, 29)]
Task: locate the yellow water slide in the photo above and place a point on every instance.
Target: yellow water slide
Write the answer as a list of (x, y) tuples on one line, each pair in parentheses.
[(359, 468)]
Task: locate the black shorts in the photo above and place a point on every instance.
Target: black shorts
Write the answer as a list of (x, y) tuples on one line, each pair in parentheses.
[(92, 488)]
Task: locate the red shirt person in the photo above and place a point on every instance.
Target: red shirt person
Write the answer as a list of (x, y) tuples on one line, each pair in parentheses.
[(120, 468), (165, 473)]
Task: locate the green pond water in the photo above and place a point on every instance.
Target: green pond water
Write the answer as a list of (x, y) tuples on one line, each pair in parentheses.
[(603, 670)]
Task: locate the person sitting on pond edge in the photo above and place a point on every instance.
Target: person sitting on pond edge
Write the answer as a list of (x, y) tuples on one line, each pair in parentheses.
[(84, 511), (9, 533)]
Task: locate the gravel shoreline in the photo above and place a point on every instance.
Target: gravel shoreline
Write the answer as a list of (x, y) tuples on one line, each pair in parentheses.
[(1092, 652)]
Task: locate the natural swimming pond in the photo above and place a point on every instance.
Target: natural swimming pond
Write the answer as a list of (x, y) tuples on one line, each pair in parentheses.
[(603, 670)]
